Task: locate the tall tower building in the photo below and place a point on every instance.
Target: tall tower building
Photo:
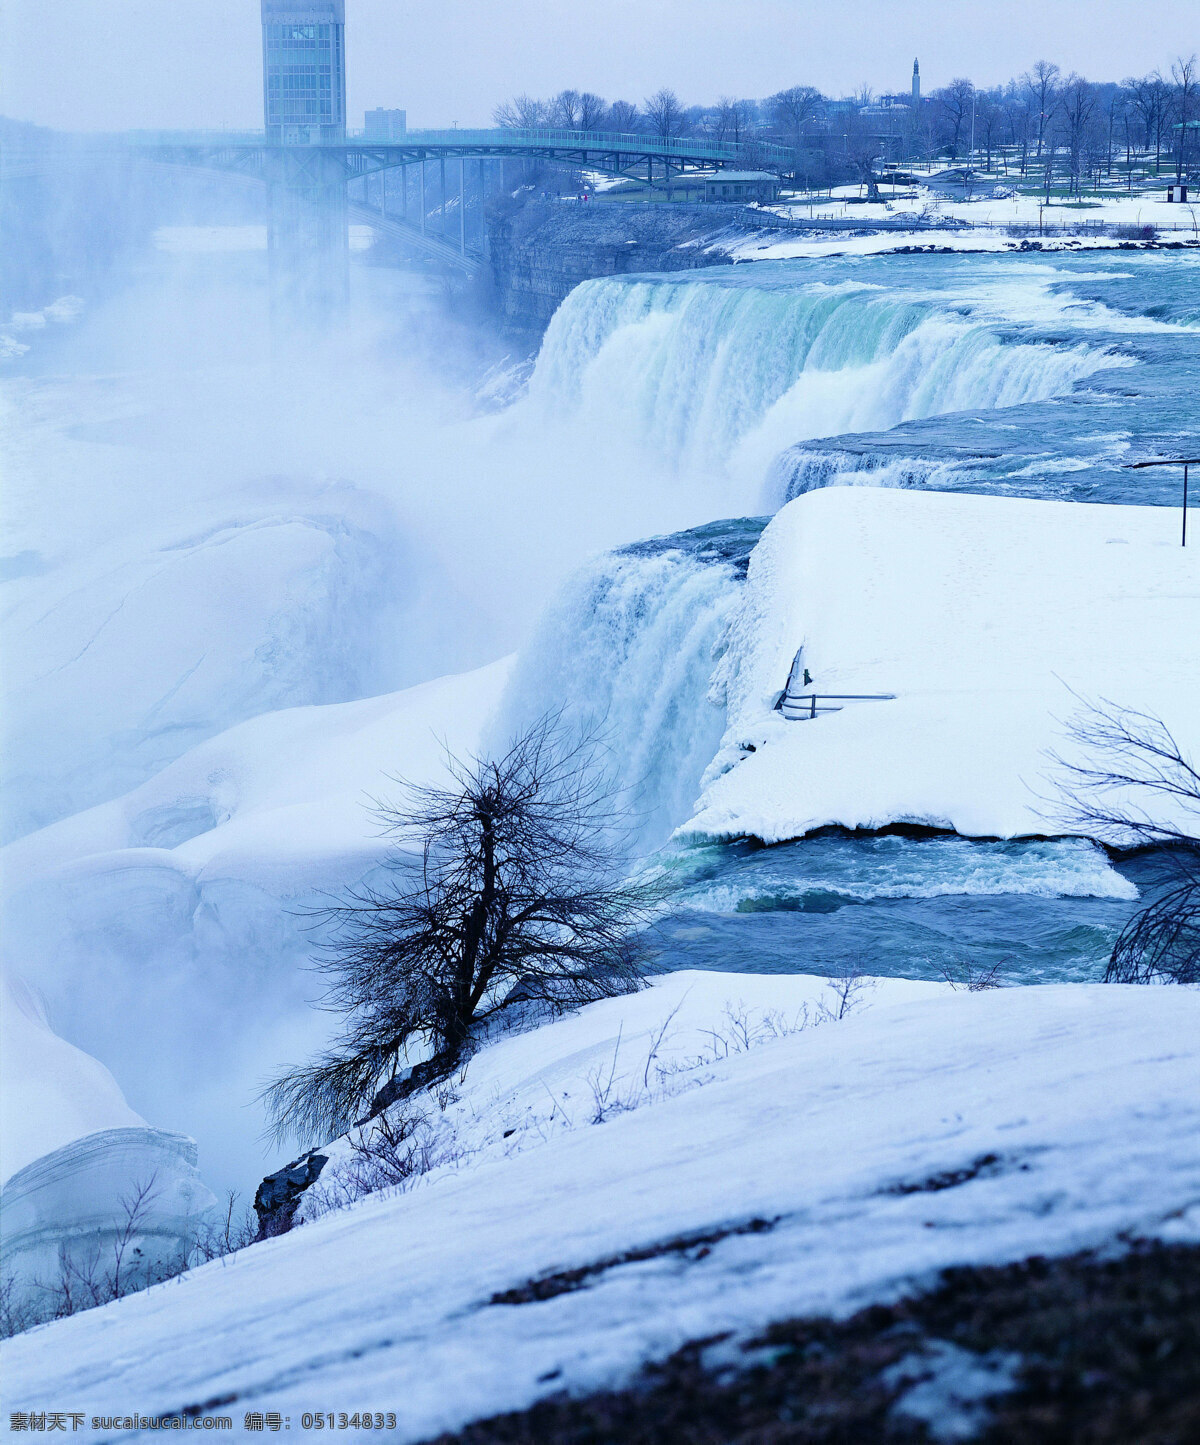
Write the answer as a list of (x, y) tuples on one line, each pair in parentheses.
[(304, 104), (916, 84), (304, 71)]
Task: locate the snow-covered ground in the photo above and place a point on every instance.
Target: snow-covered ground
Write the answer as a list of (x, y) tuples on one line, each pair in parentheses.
[(988, 218), (51, 1093), (1141, 207), (277, 801), (72, 1153), (983, 615), (181, 902), (828, 1165)]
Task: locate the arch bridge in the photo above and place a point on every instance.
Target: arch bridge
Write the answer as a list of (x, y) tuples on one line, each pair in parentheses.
[(322, 172)]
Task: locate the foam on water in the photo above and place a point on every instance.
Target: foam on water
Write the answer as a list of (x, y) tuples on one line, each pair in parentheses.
[(811, 874)]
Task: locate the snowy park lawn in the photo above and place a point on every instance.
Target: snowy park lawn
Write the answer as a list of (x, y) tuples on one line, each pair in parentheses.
[(983, 615), (824, 1166), (988, 218)]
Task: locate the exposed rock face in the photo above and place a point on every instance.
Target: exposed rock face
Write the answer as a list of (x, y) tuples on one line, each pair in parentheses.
[(542, 250), (280, 1193)]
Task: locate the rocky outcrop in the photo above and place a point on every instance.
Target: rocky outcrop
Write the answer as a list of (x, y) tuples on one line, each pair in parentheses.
[(540, 251), (279, 1194)]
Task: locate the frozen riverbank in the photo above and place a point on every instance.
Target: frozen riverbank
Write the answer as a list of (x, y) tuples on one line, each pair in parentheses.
[(825, 1167), (988, 618)]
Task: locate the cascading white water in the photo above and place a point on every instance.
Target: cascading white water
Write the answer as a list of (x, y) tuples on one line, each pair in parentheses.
[(723, 376), (800, 470), (627, 650)]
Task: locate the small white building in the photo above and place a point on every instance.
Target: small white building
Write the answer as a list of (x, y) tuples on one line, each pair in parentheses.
[(741, 186)]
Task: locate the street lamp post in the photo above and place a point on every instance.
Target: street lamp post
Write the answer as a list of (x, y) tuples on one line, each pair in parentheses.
[(1185, 463)]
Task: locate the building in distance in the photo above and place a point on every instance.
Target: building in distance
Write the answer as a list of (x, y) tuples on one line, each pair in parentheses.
[(383, 125), (741, 186)]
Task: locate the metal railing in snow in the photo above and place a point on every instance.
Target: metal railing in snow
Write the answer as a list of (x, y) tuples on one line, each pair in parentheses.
[(803, 706)]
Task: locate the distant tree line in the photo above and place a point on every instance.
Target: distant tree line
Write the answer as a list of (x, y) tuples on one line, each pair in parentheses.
[(1059, 129)]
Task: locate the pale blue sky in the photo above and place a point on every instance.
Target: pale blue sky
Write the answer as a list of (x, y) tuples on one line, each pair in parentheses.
[(113, 64)]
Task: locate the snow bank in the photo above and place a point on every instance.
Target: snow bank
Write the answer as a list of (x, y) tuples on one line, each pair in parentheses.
[(1066, 1114), (120, 659), (981, 614), (178, 905), (72, 1152), (763, 247), (51, 1093)]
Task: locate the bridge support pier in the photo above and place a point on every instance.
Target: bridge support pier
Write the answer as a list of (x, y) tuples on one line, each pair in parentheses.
[(462, 206), (308, 238)]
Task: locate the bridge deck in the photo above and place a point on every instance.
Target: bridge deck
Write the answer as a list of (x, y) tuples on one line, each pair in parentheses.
[(614, 153)]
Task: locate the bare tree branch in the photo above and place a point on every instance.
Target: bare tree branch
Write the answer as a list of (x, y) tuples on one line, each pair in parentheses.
[(503, 892)]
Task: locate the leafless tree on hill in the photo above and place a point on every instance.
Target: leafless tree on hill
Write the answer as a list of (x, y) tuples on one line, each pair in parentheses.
[(1128, 782), (504, 893)]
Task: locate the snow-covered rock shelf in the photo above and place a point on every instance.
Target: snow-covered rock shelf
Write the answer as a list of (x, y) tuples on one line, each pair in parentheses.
[(180, 904), (79, 1170), (989, 618), (926, 1128)]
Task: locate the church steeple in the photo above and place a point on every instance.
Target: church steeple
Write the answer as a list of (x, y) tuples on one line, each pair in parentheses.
[(916, 84)]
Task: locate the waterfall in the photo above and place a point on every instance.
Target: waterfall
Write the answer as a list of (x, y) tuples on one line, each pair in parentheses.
[(801, 470), (627, 649), (722, 375)]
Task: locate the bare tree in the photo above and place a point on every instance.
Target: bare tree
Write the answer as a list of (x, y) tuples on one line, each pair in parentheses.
[(734, 119), (563, 110), (1015, 104), (1187, 79), (520, 113), (592, 109), (1129, 783), (989, 121), (1078, 106), (664, 114), (503, 892), (791, 111), (624, 117), (955, 101), (1151, 100), (1042, 84), (863, 149)]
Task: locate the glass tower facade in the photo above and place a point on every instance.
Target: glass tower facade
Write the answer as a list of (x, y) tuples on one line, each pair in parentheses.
[(304, 71)]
